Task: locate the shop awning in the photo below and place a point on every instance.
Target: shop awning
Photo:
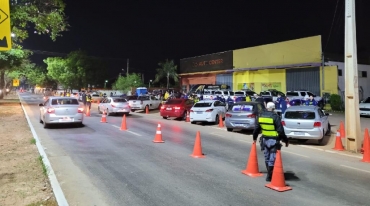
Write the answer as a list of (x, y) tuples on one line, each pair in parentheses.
[(289, 66), (207, 72)]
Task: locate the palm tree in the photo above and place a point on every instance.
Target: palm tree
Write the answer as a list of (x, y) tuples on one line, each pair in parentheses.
[(167, 69)]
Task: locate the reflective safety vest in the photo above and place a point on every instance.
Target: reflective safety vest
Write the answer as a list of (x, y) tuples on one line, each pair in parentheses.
[(268, 127), (88, 98)]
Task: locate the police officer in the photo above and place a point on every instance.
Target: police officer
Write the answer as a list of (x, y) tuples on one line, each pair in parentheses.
[(272, 132), (88, 100), (311, 101), (83, 98)]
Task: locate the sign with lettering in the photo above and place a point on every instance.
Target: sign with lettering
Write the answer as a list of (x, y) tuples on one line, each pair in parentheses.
[(271, 85), (210, 62)]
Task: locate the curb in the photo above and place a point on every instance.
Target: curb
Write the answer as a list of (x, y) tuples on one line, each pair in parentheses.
[(58, 192)]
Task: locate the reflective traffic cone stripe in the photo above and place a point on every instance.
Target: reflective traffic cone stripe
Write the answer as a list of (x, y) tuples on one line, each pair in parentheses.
[(197, 151), (147, 110), (104, 117), (123, 125), (278, 179), (252, 164), (158, 135), (342, 130), (338, 142), (87, 112), (220, 121), (366, 147)]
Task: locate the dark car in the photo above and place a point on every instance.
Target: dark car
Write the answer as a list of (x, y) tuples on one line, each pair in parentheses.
[(243, 115), (176, 108)]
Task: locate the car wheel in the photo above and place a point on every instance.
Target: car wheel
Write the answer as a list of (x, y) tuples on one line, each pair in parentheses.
[(40, 119), (100, 112), (328, 132), (164, 117), (193, 122), (184, 116), (217, 119), (132, 110), (229, 129), (319, 142), (107, 111)]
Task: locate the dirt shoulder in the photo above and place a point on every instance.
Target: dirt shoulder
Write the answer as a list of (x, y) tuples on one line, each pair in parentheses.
[(23, 179)]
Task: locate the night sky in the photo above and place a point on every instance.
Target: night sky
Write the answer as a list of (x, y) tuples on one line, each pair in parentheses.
[(147, 32)]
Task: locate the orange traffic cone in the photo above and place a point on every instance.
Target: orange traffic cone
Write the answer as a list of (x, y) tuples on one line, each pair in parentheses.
[(187, 116), (123, 125), (88, 111), (278, 179), (252, 165), (220, 122), (342, 130), (365, 142), (197, 151), (366, 147), (158, 135), (104, 117), (338, 142), (146, 110)]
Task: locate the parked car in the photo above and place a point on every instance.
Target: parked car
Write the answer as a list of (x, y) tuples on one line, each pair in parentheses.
[(302, 94), (144, 102), (61, 110), (207, 111), (271, 94), (114, 105), (176, 108), (243, 115), (365, 107), (306, 123)]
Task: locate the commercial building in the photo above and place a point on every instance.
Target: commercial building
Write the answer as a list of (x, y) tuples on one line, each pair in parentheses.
[(290, 65)]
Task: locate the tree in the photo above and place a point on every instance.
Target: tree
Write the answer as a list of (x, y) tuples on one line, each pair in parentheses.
[(124, 84), (167, 69)]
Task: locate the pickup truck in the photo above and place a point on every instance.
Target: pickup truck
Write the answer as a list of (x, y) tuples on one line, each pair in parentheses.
[(271, 94), (209, 94), (301, 94), (143, 102)]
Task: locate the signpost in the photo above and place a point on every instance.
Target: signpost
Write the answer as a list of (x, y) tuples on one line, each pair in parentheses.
[(5, 33)]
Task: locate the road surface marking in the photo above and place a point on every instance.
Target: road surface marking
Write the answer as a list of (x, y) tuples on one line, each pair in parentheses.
[(348, 155), (296, 154), (128, 131), (354, 168)]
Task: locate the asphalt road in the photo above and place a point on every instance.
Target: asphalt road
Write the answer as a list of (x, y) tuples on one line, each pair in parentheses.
[(99, 164)]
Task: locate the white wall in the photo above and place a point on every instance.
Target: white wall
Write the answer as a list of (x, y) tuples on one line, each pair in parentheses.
[(363, 82)]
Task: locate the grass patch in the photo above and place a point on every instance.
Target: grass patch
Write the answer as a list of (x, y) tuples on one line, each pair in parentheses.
[(45, 203), (33, 141), (45, 170)]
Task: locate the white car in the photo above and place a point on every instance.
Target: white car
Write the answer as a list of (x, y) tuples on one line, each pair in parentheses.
[(365, 107), (114, 105), (207, 111)]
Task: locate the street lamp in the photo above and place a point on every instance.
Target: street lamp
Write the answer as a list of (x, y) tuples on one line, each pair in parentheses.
[(150, 81), (105, 84)]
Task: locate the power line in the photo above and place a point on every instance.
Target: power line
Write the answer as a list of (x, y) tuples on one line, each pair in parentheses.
[(332, 23)]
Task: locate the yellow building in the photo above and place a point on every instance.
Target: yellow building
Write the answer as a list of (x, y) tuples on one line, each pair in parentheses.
[(284, 66)]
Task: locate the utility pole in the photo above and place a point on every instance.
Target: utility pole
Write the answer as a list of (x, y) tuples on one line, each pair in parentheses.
[(127, 66), (352, 117)]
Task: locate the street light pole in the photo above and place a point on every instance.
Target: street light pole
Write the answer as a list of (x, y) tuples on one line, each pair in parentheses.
[(150, 81), (105, 84), (352, 117)]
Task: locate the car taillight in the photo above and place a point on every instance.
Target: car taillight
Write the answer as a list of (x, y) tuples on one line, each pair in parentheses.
[(317, 124), (209, 110), (191, 110), (251, 116), (283, 123), (177, 107), (162, 107), (80, 110), (228, 115), (50, 110)]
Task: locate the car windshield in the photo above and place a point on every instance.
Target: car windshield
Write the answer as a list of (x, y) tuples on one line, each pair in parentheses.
[(231, 93), (64, 101), (174, 101), (119, 100), (367, 100), (143, 98), (265, 93), (242, 108), (203, 104), (132, 98), (239, 93), (208, 92), (292, 94), (299, 115), (218, 92)]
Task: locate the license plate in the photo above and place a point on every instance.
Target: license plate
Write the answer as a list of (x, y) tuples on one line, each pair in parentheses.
[(66, 119), (199, 112), (168, 108), (299, 133), (239, 125), (122, 110)]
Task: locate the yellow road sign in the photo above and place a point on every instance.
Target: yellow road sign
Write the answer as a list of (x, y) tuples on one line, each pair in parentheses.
[(5, 33), (15, 82)]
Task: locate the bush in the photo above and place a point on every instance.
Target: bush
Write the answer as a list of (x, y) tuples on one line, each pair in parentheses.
[(336, 102)]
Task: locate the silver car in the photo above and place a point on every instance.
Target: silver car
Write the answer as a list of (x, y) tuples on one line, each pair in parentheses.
[(243, 115), (306, 123), (61, 110), (114, 105)]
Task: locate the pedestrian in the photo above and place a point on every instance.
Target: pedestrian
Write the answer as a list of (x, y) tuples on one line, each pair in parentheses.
[(311, 101), (259, 99), (272, 133), (88, 100), (83, 98)]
